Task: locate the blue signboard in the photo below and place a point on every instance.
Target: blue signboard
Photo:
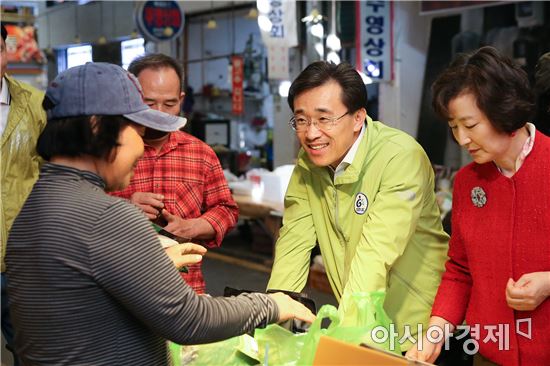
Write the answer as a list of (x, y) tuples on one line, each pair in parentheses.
[(374, 39), (160, 20)]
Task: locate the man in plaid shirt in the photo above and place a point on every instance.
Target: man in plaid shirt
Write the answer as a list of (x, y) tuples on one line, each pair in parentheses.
[(178, 183)]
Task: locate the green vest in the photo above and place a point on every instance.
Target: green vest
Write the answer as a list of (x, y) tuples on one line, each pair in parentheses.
[(19, 162)]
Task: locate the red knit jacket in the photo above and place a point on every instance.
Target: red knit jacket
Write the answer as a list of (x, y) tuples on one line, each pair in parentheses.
[(505, 238)]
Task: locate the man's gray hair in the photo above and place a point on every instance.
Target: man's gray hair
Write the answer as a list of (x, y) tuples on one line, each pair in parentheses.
[(156, 61)]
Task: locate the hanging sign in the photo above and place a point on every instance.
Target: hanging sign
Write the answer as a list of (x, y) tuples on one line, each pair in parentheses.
[(374, 39), (237, 74), (277, 22), (277, 61), (160, 20)]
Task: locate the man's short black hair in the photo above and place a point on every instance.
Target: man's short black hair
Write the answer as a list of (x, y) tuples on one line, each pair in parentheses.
[(4, 32), (354, 92), (75, 136), (156, 61)]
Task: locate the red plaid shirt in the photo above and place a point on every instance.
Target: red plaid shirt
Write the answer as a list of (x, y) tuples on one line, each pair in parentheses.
[(189, 175)]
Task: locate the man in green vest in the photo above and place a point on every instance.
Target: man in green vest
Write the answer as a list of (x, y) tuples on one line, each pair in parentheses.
[(365, 193), (22, 119)]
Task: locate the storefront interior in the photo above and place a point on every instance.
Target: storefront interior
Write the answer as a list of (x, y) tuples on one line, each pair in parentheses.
[(237, 76)]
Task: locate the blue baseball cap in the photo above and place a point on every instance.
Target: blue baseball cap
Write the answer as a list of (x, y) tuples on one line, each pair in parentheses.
[(99, 88)]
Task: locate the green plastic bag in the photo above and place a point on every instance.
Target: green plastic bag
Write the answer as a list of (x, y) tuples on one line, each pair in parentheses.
[(223, 353), (279, 346), (364, 312)]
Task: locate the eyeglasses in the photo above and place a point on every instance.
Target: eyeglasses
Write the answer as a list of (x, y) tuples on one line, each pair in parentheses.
[(301, 123)]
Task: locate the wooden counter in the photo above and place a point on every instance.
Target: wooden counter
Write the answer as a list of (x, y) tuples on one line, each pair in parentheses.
[(269, 215), (258, 209)]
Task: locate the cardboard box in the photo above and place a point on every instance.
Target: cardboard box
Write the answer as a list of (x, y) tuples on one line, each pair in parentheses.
[(331, 351)]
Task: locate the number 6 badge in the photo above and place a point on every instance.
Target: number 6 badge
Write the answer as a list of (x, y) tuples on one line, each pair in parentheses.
[(361, 203)]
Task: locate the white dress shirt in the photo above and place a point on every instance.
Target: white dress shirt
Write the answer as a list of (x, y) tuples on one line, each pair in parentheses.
[(348, 159), (4, 105)]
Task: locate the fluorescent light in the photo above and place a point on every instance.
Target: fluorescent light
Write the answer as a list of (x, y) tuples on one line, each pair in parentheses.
[(333, 42), (263, 6), (264, 23), (317, 30), (333, 57), (366, 79), (130, 49), (320, 49), (284, 87), (78, 55)]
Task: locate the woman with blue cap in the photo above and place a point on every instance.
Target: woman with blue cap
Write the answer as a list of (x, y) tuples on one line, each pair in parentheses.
[(89, 282)]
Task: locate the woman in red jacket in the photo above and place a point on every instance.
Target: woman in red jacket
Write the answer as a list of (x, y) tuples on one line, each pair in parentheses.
[(497, 277)]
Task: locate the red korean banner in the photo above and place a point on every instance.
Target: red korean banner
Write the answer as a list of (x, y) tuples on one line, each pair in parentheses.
[(237, 81), (374, 39)]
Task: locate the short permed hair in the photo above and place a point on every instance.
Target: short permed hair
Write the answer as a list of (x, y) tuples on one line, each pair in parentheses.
[(75, 136), (354, 92), (156, 61), (500, 87)]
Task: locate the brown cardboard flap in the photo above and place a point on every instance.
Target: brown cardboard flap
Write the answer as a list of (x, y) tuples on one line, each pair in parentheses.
[(334, 352)]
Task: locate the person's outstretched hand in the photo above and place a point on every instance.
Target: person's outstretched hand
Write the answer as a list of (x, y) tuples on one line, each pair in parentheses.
[(430, 351), (185, 254), (290, 309)]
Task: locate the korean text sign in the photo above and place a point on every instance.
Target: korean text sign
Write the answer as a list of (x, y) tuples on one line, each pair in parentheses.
[(374, 39)]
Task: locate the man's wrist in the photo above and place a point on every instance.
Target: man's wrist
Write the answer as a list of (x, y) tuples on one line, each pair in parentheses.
[(192, 231), (186, 230)]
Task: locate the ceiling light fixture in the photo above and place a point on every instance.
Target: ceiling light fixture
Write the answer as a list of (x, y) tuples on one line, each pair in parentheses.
[(333, 42), (313, 17), (211, 22), (252, 14)]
